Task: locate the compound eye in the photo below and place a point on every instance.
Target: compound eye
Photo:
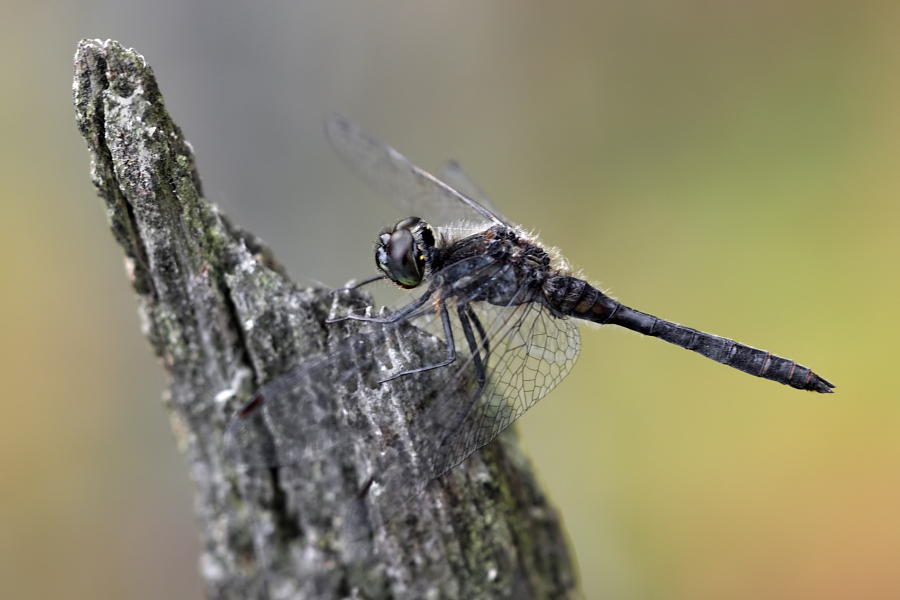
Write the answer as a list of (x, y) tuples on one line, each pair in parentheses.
[(400, 258)]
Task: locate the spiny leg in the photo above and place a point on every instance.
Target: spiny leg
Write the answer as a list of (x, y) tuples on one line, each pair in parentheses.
[(451, 347), (464, 310), (392, 318), (358, 285), (485, 343)]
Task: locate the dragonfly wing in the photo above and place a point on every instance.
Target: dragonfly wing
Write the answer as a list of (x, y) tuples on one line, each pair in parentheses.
[(328, 400), (528, 352), (531, 351), (301, 413), (452, 173), (390, 173)]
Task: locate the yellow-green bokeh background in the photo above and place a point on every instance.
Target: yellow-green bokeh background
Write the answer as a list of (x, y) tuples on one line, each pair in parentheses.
[(732, 166)]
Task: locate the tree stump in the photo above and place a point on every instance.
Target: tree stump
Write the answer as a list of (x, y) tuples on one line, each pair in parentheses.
[(223, 317)]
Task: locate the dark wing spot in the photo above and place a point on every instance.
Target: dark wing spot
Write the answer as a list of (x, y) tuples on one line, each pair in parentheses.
[(250, 407), (364, 491)]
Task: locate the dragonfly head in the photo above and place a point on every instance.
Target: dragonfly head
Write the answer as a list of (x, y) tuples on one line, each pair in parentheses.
[(401, 251)]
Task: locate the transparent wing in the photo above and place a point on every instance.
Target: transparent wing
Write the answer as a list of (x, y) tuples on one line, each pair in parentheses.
[(531, 352), (452, 173), (390, 173), (528, 352), (304, 412)]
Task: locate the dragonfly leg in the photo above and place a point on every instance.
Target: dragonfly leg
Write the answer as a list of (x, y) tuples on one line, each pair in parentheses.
[(392, 318), (357, 285), (466, 316), (451, 348), (485, 343)]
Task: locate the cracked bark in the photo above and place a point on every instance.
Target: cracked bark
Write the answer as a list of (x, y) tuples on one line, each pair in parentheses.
[(222, 315)]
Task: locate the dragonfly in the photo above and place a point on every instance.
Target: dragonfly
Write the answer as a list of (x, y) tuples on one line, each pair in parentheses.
[(499, 313)]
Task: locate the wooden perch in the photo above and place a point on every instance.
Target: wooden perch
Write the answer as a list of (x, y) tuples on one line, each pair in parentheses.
[(223, 317)]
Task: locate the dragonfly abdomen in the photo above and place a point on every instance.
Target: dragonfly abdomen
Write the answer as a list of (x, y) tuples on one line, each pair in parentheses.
[(576, 298)]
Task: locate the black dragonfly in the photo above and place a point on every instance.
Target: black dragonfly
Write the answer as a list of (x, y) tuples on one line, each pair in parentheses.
[(500, 311)]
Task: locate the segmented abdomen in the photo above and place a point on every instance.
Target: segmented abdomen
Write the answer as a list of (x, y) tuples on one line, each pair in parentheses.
[(576, 298)]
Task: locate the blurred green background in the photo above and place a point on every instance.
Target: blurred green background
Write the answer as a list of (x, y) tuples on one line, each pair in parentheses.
[(732, 166)]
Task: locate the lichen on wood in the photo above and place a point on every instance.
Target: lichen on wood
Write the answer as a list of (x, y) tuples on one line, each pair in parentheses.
[(223, 317)]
